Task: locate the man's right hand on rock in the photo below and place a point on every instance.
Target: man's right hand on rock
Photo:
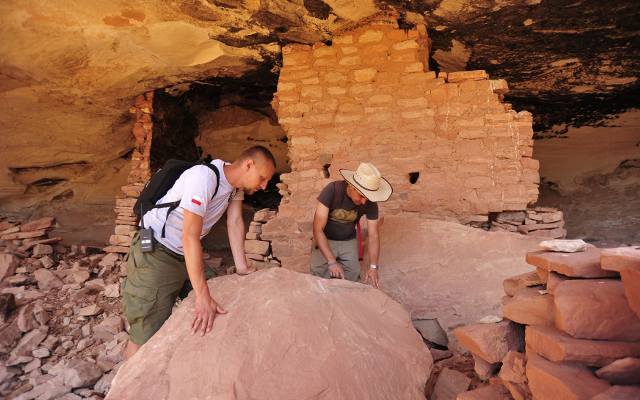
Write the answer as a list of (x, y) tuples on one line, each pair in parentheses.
[(336, 271), (205, 314)]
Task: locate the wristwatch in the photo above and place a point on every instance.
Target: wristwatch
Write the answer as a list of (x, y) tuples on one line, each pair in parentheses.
[(373, 266)]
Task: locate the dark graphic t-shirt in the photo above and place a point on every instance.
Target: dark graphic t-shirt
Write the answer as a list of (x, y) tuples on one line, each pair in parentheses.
[(343, 213)]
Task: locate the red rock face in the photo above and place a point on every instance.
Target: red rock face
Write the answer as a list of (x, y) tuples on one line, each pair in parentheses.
[(286, 335), (595, 309)]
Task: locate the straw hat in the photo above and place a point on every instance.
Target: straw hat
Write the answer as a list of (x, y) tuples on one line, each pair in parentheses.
[(369, 182)]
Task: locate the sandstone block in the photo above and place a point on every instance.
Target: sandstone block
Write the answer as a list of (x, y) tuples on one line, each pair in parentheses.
[(513, 368), (585, 264), (450, 384), (536, 227), (256, 247), (39, 224), (8, 265), (529, 307), (556, 233), (548, 380), (29, 342), (46, 279), (80, 373), (625, 371), (490, 341), (483, 369), (23, 235), (556, 345), (631, 283), (621, 258), (595, 309), (515, 283), (553, 280), (40, 250), (467, 75)]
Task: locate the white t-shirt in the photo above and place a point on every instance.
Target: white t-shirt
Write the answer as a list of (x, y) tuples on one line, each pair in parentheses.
[(194, 189)]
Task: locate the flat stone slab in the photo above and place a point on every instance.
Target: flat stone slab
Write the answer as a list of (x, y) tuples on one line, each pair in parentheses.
[(286, 335), (490, 341), (529, 307), (513, 284), (585, 264), (556, 345), (631, 283), (595, 309), (553, 381), (621, 258)]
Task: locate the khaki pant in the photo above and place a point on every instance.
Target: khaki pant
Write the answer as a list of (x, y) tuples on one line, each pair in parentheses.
[(154, 281), (346, 252)]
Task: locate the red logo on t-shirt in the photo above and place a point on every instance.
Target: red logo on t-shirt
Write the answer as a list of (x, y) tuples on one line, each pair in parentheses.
[(196, 200)]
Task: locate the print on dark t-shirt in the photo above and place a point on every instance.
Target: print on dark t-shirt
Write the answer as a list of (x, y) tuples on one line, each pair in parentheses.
[(343, 213)]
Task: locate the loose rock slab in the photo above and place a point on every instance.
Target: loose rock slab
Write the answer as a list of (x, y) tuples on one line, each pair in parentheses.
[(548, 380), (595, 309), (286, 336), (556, 345), (585, 264)]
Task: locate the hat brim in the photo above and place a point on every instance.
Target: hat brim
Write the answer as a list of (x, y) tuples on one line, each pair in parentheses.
[(382, 194)]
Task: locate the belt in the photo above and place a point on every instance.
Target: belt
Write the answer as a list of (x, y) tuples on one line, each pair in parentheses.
[(167, 250)]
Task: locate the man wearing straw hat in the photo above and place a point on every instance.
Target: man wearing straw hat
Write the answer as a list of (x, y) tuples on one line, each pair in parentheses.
[(340, 206)]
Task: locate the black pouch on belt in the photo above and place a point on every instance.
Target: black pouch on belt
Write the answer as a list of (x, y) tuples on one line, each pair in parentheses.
[(146, 240)]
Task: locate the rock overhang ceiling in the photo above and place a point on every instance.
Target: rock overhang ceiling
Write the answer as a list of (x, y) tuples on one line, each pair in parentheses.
[(68, 73)]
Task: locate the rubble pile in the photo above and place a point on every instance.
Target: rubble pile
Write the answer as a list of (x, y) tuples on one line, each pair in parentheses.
[(571, 328), (61, 331)]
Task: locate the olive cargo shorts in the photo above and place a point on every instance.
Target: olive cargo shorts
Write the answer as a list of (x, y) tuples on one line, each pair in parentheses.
[(154, 281), (346, 252)]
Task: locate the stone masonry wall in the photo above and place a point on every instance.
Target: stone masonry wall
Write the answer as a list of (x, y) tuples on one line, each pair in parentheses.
[(446, 143), (140, 173)]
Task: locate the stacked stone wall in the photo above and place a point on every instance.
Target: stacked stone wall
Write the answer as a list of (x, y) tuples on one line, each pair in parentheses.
[(140, 173), (447, 143)]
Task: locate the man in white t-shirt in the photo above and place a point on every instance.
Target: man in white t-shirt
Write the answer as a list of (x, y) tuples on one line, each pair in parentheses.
[(154, 279)]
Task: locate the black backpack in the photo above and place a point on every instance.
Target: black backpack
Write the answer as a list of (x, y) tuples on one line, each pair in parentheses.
[(161, 182)]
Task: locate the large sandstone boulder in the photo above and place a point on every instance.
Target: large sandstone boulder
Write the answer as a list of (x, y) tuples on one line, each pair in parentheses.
[(286, 336)]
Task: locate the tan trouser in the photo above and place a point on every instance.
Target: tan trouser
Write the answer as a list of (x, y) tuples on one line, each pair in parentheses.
[(346, 252)]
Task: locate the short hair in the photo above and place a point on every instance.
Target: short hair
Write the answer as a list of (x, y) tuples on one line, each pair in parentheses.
[(255, 151)]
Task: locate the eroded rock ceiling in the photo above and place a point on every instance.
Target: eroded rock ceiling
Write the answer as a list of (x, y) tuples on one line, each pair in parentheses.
[(69, 70)]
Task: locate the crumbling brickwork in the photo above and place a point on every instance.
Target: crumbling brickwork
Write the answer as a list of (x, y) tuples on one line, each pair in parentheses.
[(448, 144)]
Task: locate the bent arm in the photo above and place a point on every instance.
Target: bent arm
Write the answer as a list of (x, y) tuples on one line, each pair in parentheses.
[(235, 229), (320, 219), (192, 228)]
